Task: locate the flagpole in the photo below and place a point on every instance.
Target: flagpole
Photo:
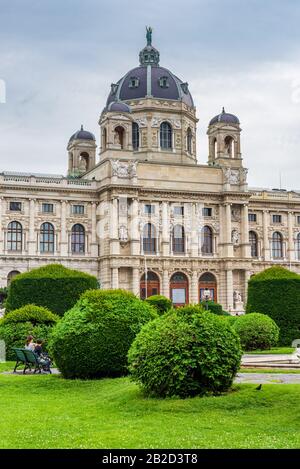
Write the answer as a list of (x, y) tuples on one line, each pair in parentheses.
[(146, 278)]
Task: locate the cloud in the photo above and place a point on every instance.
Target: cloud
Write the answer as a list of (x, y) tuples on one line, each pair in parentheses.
[(59, 58)]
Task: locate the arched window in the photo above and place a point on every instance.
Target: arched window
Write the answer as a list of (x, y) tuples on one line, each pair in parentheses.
[(207, 281), (14, 236), (253, 243), (11, 275), (277, 245), (119, 136), (104, 139), (298, 247), (179, 289), (215, 148), (206, 240), (229, 146), (78, 239), (178, 239), (47, 237), (189, 137), (149, 285), (165, 136), (149, 239), (135, 136)]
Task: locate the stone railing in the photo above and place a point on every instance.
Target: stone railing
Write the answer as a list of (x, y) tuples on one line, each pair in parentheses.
[(42, 181)]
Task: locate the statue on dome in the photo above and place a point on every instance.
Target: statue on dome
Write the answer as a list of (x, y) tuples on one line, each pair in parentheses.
[(149, 35)]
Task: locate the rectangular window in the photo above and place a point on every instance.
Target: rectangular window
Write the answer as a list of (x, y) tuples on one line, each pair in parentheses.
[(252, 217), (149, 209), (47, 208), (178, 210), (276, 218), (298, 219), (78, 209), (207, 212), (15, 206)]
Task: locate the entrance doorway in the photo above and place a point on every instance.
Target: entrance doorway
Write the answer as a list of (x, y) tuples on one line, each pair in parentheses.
[(208, 281), (179, 289), (151, 287)]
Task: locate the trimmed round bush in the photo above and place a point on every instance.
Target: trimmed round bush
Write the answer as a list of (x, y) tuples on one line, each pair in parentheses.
[(276, 293), (93, 338), (256, 331), (161, 303), (185, 354), (29, 320), (53, 286)]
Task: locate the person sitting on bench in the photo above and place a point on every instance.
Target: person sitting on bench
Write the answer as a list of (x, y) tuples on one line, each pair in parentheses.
[(42, 356), (29, 344)]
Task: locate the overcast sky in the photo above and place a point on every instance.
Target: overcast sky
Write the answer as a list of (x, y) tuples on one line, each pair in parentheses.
[(59, 57)]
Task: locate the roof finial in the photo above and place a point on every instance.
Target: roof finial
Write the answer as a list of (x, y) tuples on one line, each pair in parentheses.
[(223, 110), (81, 127), (149, 35)]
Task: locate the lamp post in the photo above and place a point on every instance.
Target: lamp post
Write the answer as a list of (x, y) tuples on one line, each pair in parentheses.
[(207, 297)]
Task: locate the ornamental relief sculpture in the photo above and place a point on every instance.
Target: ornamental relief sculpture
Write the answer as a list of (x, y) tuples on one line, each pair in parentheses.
[(122, 169), (235, 176)]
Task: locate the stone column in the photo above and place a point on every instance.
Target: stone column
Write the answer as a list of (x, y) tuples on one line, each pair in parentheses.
[(247, 277), (135, 236), (136, 281), (32, 247), (165, 284), (94, 244), (291, 243), (245, 232), (194, 233), (64, 242), (165, 230), (266, 244), (194, 288), (115, 277), (114, 225), (229, 290), (228, 248), (1, 228)]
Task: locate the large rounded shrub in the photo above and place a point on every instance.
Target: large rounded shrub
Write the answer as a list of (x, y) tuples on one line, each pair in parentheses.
[(256, 331), (93, 338), (161, 303), (185, 354), (276, 292), (53, 286), (28, 320)]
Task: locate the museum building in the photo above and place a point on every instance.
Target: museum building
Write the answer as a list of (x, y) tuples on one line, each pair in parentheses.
[(144, 215)]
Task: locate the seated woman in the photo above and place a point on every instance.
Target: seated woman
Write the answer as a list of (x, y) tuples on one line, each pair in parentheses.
[(29, 344), (43, 358)]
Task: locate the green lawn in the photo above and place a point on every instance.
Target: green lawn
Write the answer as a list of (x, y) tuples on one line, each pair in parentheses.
[(272, 351), (50, 412)]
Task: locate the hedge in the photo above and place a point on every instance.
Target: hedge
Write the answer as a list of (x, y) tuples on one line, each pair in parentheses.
[(213, 307), (185, 354), (93, 338), (53, 286), (160, 302), (29, 320), (256, 331), (276, 292)]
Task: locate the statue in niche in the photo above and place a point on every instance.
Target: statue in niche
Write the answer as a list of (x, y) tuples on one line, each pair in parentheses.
[(82, 165), (123, 234), (117, 140), (235, 237), (238, 302)]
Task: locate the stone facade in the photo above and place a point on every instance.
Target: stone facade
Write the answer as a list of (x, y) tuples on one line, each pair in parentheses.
[(147, 217)]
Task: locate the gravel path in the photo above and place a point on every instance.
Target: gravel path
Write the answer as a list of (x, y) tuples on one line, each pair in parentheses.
[(268, 378)]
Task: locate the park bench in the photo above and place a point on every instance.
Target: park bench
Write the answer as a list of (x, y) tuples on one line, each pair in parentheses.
[(28, 359)]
